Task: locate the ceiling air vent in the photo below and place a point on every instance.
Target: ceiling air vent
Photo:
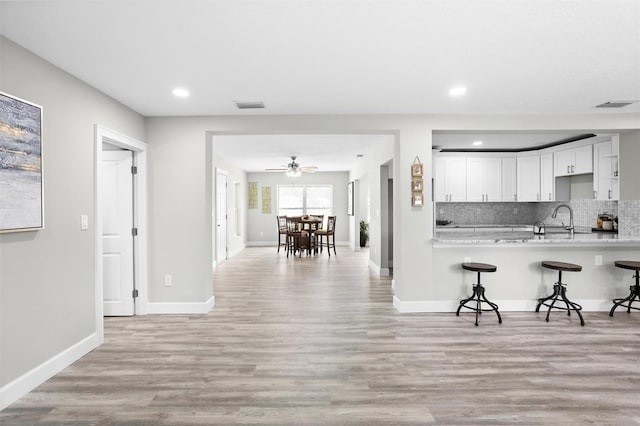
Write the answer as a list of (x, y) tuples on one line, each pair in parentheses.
[(615, 104), (249, 105)]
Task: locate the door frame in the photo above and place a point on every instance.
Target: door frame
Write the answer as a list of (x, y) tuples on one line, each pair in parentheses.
[(215, 225), (139, 148)]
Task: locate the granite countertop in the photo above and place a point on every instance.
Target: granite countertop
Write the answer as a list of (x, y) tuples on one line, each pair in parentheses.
[(500, 234)]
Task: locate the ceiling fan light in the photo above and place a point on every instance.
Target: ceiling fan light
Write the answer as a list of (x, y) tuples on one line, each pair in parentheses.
[(293, 172)]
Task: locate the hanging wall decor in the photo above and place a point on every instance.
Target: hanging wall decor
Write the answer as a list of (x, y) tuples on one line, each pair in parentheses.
[(21, 189), (417, 184), (253, 195), (266, 199)]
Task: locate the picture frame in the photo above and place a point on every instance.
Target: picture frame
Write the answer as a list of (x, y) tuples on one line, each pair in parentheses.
[(22, 204), (417, 185), (350, 211), (417, 200), (417, 169)]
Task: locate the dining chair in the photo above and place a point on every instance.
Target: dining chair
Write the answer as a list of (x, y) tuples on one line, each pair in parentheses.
[(295, 234), (329, 233), (282, 231)]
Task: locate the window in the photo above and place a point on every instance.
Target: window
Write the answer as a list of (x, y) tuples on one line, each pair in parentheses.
[(300, 200)]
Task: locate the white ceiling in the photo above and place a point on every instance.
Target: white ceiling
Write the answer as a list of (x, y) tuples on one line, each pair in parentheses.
[(329, 153), (342, 57), (348, 56)]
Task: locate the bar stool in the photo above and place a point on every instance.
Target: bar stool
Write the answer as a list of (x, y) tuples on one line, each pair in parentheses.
[(560, 290), (635, 289), (478, 297)]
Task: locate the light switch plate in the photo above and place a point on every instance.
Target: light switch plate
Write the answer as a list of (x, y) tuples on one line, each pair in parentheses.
[(84, 222)]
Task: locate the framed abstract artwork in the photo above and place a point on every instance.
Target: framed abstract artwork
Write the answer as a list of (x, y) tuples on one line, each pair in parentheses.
[(21, 185)]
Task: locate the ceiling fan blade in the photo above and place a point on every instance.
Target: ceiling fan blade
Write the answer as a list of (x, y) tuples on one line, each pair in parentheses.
[(276, 170)]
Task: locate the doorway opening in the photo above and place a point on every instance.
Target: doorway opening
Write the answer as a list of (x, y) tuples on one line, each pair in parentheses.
[(120, 226)]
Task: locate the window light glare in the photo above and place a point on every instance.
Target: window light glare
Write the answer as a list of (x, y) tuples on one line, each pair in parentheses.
[(180, 92), (477, 143), (458, 91)]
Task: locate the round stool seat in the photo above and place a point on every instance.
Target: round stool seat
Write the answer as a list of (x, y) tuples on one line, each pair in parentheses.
[(627, 264), (561, 266), (479, 267)]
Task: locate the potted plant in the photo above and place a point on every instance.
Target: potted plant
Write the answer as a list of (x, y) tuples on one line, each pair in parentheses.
[(364, 233)]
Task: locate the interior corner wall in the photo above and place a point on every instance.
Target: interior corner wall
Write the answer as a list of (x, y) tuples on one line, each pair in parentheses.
[(628, 157), (181, 174), (47, 288)]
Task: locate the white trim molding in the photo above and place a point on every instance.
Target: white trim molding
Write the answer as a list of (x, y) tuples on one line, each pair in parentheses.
[(433, 306), (182, 308), (105, 135), (24, 384)]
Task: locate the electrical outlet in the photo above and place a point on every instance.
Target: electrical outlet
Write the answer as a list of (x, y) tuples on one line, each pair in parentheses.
[(168, 280), (467, 259), (598, 260), (515, 210), (440, 212), (84, 222), (261, 233)]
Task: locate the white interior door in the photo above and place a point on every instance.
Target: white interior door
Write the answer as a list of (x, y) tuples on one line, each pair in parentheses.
[(221, 216), (117, 238)]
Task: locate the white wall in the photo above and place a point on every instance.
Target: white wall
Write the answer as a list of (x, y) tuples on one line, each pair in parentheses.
[(629, 165), (262, 228), (413, 252), (47, 300)]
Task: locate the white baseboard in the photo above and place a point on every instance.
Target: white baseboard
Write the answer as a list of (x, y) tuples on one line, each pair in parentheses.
[(374, 268), (588, 305), (393, 284), (384, 272), (24, 384), (236, 251), (182, 308)]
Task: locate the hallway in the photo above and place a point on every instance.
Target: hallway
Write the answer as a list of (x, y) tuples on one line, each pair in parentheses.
[(316, 340)]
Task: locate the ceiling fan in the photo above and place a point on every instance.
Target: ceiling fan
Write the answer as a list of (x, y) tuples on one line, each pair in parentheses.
[(294, 169)]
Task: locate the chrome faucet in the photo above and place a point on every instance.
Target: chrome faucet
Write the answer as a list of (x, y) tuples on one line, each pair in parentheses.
[(569, 228)]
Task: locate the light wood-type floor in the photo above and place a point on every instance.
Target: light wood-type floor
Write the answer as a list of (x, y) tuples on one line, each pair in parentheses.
[(316, 340)]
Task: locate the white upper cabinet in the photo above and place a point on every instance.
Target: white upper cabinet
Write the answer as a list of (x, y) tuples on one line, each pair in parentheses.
[(450, 179), (547, 179), (574, 161), (605, 170), (484, 179), (509, 190), (528, 180)]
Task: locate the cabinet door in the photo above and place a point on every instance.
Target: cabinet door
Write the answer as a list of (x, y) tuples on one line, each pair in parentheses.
[(493, 179), (476, 179), (528, 182), (456, 179), (440, 193), (582, 160), (605, 179), (563, 162), (509, 189), (547, 179)]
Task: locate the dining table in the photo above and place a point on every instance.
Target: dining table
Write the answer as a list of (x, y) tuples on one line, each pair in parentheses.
[(310, 224)]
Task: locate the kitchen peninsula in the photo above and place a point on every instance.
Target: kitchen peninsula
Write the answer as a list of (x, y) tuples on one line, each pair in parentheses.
[(496, 227)]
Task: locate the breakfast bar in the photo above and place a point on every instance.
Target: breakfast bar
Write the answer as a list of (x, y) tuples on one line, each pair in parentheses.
[(518, 253)]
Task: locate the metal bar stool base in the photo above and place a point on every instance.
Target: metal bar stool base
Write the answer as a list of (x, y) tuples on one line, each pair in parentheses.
[(477, 299), (634, 296), (560, 294)]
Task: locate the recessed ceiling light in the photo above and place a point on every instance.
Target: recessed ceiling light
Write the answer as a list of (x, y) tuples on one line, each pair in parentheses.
[(180, 92), (458, 91), (477, 143)]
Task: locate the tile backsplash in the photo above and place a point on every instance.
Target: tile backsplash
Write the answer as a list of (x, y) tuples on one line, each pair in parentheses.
[(629, 219), (585, 213)]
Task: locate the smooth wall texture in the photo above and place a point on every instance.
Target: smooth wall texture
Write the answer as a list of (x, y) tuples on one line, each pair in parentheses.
[(628, 163), (47, 297), (262, 226)]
